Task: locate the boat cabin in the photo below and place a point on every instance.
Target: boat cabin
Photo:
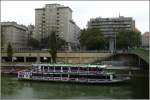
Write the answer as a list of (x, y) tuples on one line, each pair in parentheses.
[(47, 68)]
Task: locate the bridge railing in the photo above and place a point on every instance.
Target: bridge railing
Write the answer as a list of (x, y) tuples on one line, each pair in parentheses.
[(143, 53)]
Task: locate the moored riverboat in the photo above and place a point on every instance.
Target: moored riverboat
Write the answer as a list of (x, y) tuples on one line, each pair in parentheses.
[(70, 73)]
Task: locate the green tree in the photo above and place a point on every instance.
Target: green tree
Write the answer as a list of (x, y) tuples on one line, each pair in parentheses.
[(128, 39), (2, 39), (53, 46), (9, 52), (60, 43), (33, 43), (92, 39)]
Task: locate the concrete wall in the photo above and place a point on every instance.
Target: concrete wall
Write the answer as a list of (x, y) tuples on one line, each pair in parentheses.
[(73, 58)]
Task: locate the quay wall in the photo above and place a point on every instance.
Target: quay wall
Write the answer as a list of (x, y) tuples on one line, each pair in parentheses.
[(66, 57)]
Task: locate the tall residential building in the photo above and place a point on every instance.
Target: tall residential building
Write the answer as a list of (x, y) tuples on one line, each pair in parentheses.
[(145, 39), (14, 34), (110, 26), (55, 17)]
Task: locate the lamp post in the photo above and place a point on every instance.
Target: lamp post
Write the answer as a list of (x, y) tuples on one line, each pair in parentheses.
[(114, 29)]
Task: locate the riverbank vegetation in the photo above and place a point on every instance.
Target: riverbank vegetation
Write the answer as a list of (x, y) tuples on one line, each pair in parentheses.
[(128, 39), (92, 39)]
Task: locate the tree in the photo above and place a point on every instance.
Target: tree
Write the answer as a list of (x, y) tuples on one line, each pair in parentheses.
[(9, 52), (92, 39), (60, 43), (53, 46), (128, 39), (2, 37), (33, 43)]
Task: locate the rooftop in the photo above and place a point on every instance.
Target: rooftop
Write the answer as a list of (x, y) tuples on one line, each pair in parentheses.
[(71, 65), (146, 34)]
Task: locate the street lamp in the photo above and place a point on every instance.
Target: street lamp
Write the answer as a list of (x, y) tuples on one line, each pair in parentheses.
[(114, 29)]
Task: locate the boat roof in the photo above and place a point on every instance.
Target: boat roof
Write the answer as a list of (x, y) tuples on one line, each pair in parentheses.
[(70, 65)]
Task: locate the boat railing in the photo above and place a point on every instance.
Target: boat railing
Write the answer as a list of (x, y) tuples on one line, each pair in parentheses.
[(72, 79), (92, 72), (65, 71), (65, 78), (92, 80), (74, 71), (57, 71), (57, 78), (99, 80), (83, 72)]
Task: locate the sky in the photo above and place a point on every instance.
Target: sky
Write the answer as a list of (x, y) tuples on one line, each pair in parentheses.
[(23, 12)]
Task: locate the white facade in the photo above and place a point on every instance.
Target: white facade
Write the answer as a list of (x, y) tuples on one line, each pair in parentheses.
[(14, 34), (54, 17)]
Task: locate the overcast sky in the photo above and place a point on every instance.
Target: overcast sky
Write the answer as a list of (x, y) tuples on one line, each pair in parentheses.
[(23, 11)]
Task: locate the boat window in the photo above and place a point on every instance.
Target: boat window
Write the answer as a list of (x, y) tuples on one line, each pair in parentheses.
[(48, 75), (64, 75), (99, 69), (58, 68), (73, 76), (36, 74), (92, 69), (45, 68), (85, 76), (34, 68), (108, 77), (51, 68), (65, 68), (42, 67), (74, 68), (56, 75), (91, 77), (82, 68), (114, 76), (101, 77)]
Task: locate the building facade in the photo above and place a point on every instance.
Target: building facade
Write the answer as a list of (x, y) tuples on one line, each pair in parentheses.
[(57, 18), (31, 31), (145, 40), (14, 34), (110, 26)]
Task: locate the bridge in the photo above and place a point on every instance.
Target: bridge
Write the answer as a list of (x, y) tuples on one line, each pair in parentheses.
[(142, 53)]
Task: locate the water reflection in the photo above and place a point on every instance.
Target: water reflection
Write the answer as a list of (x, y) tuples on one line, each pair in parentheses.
[(140, 85), (12, 88)]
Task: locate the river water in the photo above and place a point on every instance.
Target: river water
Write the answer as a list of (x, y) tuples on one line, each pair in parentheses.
[(11, 88)]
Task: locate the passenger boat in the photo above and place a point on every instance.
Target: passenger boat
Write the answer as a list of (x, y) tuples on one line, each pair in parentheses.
[(70, 73)]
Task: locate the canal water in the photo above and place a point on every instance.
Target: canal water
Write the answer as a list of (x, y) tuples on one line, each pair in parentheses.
[(11, 88)]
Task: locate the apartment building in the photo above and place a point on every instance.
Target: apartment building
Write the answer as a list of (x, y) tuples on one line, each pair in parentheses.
[(14, 34), (58, 18), (145, 39), (110, 26)]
